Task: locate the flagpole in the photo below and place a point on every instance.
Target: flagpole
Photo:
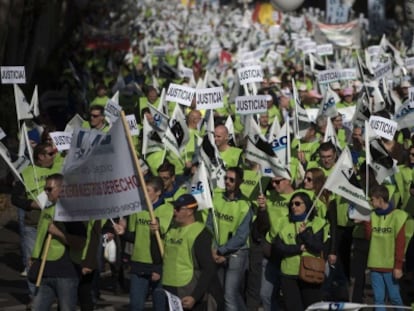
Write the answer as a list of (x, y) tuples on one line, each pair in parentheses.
[(141, 180), (314, 204), (43, 262)]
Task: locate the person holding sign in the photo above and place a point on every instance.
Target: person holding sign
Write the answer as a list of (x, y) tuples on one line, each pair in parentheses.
[(24, 196), (60, 277), (145, 272)]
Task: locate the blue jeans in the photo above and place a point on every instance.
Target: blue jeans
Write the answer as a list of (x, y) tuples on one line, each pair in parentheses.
[(139, 287), (234, 272), (382, 282), (65, 290), (29, 237), (270, 285)]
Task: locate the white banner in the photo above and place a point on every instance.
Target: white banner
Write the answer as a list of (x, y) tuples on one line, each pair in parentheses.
[(250, 74), (61, 140), (324, 49), (332, 75), (409, 62), (13, 74), (180, 94), (251, 104), (133, 125), (99, 177), (383, 127), (383, 70), (209, 98)]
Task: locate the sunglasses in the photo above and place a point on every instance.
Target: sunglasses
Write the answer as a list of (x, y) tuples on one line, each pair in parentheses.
[(295, 203), (277, 181), (95, 115), (48, 189), (230, 179), (308, 179)]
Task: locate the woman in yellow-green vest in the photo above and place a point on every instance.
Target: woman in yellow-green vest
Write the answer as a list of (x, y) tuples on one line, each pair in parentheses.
[(146, 274), (61, 274), (296, 238)]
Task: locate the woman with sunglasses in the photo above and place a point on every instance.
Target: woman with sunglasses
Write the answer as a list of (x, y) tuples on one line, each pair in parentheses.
[(313, 183), (298, 236)]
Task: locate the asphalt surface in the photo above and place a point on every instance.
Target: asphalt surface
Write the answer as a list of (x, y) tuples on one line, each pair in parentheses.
[(13, 288)]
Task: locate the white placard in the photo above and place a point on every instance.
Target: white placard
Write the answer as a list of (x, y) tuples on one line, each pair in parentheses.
[(13, 75), (309, 47), (250, 74), (112, 110), (2, 134), (324, 49), (180, 94), (209, 98), (409, 62), (383, 70), (61, 140), (332, 75), (373, 50), (133, 125), (281, 49), (383, 127), (347, 74), (251, 104)]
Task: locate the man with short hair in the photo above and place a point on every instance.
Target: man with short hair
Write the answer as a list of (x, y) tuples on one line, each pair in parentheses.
[(232, 156), (172, 188), (97, 119), (188, 268), (234, 215), (24, 195), (327, 158), (61, 273)]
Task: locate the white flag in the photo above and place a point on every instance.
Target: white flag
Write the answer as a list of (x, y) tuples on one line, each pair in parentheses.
[(328, 104), (22, 106), (34, 103), (330, 135), (200, 188), (174, 302), (338, 181)]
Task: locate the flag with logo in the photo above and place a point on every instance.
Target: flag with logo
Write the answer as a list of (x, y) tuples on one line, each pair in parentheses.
[(200, 187), (339, 181), (330, 135), (328, 104), (22, 106), (177, 134)]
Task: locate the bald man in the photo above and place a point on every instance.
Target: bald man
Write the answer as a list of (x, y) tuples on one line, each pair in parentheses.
[(232, 156)]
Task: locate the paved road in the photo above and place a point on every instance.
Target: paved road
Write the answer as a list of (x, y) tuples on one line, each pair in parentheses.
[(13, 293)]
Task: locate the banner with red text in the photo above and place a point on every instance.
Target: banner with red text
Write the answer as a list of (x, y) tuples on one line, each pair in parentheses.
[(99, 177)]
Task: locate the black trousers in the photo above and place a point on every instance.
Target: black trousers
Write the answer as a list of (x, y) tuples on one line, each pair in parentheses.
[(298, 295)]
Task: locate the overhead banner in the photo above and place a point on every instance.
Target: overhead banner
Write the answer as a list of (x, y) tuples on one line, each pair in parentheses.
[(99, 177), (13, 75), (251, 104), (61, 140), (250, 74), (180, 94), (209, 98)]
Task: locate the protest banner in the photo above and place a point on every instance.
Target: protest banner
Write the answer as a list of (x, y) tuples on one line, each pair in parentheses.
[(99, 177), (61, 140), (383, 127), (209, 98), (383, 70), (324, 49), (250, 74), (13, 74), (251, 104), (133, 125), (180, 94)]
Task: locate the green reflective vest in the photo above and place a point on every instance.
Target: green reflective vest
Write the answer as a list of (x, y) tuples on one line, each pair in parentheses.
[(384, 231), (178, 265), (290, 264)]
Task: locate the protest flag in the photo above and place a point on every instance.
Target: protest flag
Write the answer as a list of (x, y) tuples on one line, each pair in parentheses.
[(328, 104), (34, 103), (230, 127), (330, 135), (301, 119), (161, 120), (339, 181), (151, 140), (200, 187), (22, 106), (177, 134)]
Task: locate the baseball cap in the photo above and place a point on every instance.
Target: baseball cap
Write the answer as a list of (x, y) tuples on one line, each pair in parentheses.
[(314, 94), (185, 200), (348, 91)]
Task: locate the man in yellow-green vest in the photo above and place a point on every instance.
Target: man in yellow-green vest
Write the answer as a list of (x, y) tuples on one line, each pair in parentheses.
[(189, 271), (386, 232), (232, 156), (234, 215), (24, 196), (61, 273)]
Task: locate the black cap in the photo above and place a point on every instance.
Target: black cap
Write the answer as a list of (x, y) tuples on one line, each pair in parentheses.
[(185, 200)]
